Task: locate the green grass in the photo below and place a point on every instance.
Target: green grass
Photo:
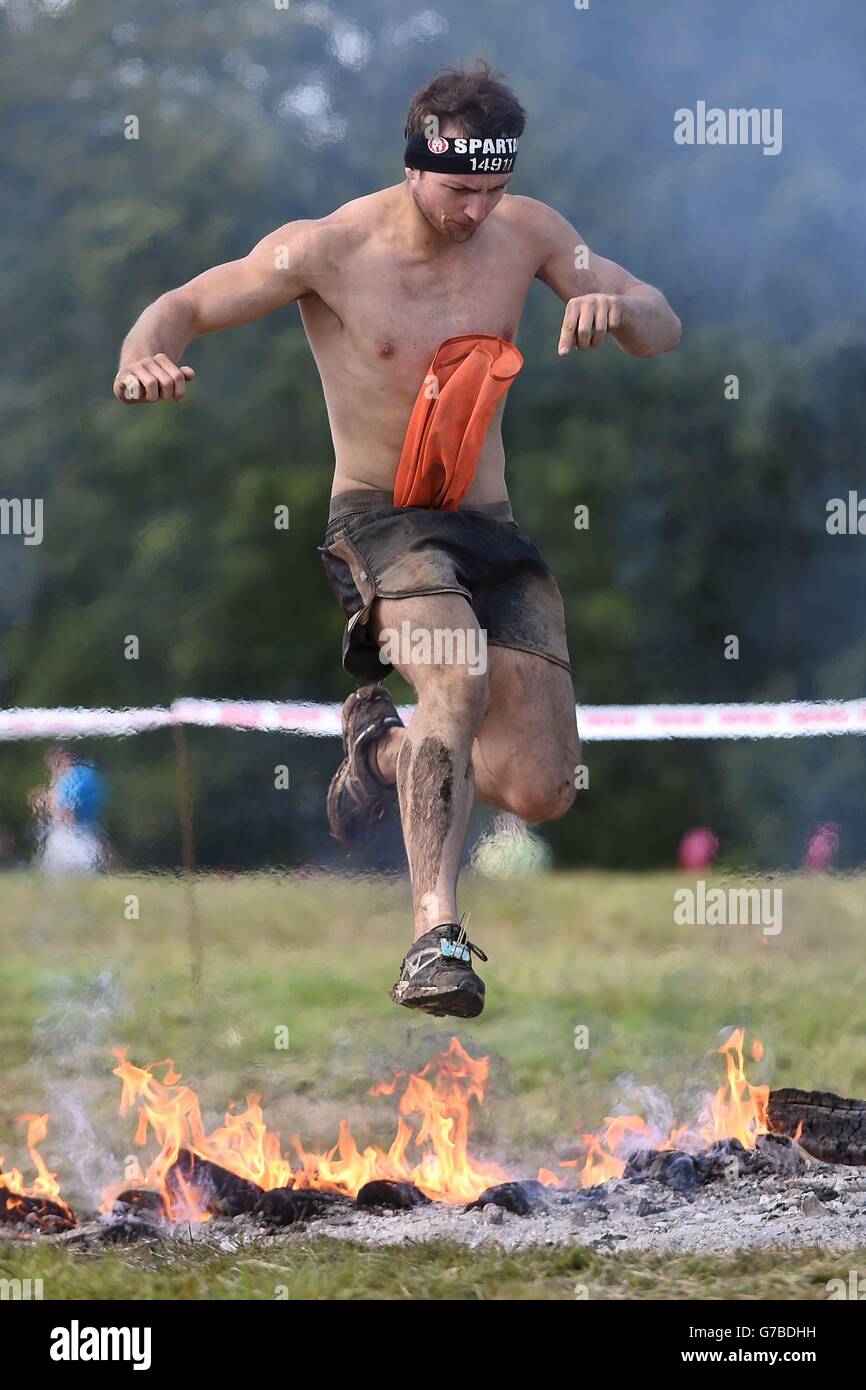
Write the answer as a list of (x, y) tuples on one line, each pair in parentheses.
[(318, 956), (336, 1269)]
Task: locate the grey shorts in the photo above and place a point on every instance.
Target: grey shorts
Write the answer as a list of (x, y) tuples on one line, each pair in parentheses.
[(373, 549)]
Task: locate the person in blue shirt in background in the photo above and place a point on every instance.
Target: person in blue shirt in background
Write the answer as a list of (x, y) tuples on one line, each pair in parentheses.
[(70, 837)]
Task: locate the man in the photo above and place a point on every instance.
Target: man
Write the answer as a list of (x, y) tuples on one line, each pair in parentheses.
[(411, 299)]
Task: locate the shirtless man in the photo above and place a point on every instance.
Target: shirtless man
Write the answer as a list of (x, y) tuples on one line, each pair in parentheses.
[(381, 283)]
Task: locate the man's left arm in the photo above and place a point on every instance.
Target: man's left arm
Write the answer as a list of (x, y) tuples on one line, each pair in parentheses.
[(601, 297)]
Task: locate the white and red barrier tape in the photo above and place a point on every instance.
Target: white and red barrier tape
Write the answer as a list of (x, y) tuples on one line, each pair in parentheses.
[(598, 723)]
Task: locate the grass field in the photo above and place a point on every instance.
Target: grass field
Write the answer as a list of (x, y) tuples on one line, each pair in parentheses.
[(317, 956)]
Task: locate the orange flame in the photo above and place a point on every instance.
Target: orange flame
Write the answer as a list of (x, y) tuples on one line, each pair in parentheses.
[(445, 1171), (45, 1185), (243, 1144), (441, 1095), (738, 1110)]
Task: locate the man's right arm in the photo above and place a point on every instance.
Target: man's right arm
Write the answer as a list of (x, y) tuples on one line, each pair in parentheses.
[(277, 271)]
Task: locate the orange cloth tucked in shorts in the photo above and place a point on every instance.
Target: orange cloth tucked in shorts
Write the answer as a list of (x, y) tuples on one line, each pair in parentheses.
[(449, 423)]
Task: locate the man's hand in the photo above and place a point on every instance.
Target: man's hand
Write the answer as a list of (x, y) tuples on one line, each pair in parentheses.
[(153, 378), (588, 320)]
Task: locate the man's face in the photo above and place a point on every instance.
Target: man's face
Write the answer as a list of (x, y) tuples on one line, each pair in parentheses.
[(456, 204)]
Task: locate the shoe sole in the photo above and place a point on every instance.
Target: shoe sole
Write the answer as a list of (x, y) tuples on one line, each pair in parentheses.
[(346, 721), (360, 836), (455, 1003), (354, 838)]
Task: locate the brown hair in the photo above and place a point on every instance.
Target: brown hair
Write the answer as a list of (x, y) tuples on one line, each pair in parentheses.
[(477, 100)]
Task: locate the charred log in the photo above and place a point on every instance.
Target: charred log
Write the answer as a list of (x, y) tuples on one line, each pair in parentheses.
[(676, 1170), (521, 1198), (776, 1153), (221, 1192), (725, 1158), (285, 1206), (399, 1196), (640, 1162), (126, 1226), (35, 1213), (828, 1127), (140, 1201), (138, 1213)]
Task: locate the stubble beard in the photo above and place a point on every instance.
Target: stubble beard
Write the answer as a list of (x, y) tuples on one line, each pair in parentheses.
[(440, 225)]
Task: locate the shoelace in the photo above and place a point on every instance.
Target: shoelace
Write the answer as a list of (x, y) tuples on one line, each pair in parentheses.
[(462, 938)]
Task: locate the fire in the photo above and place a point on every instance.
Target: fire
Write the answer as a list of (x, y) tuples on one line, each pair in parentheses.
[(45, 1186), (440, 1095), (738, 1110), (243, 1144), (430, 1147), (439, 1098), (602, 1149), (445, 1170)]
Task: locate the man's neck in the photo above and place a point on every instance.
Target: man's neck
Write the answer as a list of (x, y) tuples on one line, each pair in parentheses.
[(416, 234)]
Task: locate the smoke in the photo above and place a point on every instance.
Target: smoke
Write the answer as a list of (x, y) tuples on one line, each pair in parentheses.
[(72, 1042), (725, 230), (508, 849), (651, 1105)]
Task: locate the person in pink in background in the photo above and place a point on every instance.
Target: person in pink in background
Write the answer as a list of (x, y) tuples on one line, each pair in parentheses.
[(697, 849), (822, 848)]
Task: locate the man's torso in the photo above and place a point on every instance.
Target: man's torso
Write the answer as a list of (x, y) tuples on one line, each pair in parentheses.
[(379, 313)]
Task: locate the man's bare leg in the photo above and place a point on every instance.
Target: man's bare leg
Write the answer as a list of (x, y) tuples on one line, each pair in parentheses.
[(512, 725), (431, 762), (527, 749)]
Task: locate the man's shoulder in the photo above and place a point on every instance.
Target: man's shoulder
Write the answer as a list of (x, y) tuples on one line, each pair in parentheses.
[(541, 230), (364, 210), (327, 241), (529, 214)]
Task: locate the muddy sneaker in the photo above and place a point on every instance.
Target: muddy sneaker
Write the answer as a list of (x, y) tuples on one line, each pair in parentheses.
[(357, 797), (437, 975)]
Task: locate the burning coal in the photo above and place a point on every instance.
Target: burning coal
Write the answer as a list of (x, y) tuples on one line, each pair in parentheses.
[(200, 1174), (38, 1206), (241, 1166), (738, 1110)]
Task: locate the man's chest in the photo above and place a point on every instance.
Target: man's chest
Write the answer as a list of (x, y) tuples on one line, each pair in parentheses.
[(400, 314)]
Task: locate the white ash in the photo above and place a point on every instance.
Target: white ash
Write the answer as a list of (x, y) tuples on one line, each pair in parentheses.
[(734, 1214), (825, 1206)]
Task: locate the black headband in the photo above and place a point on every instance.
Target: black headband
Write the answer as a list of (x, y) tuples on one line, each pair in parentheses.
[(462, 154)]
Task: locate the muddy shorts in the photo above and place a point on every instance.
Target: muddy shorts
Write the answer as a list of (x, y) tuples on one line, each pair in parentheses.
[(373, 549)]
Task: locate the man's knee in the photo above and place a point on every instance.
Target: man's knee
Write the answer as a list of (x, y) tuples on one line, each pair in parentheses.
[(542, 799)]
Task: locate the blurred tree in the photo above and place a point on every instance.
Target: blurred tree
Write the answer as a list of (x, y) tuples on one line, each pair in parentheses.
[(706, 514)]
